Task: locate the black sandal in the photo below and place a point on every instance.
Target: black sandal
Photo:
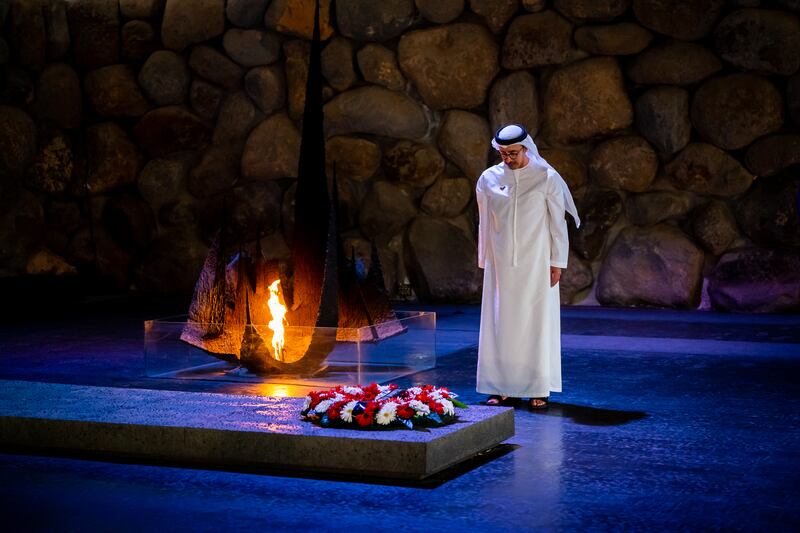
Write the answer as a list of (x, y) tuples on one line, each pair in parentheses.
[(533, 406), (495, 400)]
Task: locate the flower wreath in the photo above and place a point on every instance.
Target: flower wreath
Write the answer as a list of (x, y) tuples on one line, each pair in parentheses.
[(381, 406)]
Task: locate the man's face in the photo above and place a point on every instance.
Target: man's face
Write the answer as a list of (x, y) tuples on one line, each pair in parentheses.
[(514, 156)]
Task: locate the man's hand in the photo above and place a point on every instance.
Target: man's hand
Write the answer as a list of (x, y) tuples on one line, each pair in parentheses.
[(555, 275)]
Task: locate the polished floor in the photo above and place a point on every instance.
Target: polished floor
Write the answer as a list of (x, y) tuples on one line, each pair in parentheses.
[(643, 438)]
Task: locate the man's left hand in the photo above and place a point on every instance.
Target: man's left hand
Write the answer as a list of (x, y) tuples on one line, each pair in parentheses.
[(555, 275)]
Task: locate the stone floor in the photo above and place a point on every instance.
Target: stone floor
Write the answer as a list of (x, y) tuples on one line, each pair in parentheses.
[(668, 420)]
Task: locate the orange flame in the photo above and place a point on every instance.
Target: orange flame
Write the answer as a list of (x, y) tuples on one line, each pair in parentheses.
[(278, 312)]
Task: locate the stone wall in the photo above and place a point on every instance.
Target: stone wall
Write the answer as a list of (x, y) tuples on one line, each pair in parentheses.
[(133, 129)]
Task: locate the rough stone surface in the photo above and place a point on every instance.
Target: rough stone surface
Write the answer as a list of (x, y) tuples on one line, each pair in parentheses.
[(58, 95), (296, 65), (170, 129), (448, 197), (53, 166), (57, 26), (599, 211), (267, 87), (537, 40), (760, 40), (624, 38), (140, 9), (161, 180), (496, 13), (575, 278), (355, 159), (246, 13), (793, 98), (688, 20), (171, 264), (584, 100), (216, 171), (568, 165), (256, 209), (252, 48), (451, 66), (534, 6), (45, 262), (714, 226), (418, 165), (296, 17), (770, 155), (205, 98), (188, 22), (113, 92), (392, 114), (442, 257), (656, 266), (386, 210), (113, 159), (94, 31), (272, 150), (28, 34), (732, 111), (237, 118), (129, 220), (378, 65), (165, 78), (98, 250), (212, 65), (17, 140), (515, 99), (756, 280), (337, 64), (182, 212), (464, 140), (366, 20), (654, 207), (22, 228), (440, 11), (139, 40), (705, 169), (662, 117), (589, 10), (768, 213), (628, 163), (674, 63)]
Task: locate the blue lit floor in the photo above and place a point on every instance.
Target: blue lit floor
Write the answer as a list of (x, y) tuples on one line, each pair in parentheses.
[(705, 438)]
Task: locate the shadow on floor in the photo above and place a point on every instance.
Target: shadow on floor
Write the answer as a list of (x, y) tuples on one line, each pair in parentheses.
[(592, 416)]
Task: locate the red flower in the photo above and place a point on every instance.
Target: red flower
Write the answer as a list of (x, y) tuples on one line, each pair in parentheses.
[(404, 411), (371, 407), (364, 419)]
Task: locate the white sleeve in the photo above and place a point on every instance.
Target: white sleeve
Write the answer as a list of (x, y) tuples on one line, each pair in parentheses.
[(483, 222), (559, 238)]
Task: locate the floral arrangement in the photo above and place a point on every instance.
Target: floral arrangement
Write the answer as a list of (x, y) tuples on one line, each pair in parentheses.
[(381, 406)]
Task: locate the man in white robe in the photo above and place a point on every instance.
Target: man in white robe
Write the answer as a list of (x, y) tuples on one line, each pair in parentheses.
[(522, 246)]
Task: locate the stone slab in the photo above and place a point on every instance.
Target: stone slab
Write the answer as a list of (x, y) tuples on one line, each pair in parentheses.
[(231, 430)]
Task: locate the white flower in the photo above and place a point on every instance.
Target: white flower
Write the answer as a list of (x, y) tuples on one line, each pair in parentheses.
[(323, 406), (414, 390), (338, 398), (419, 407), (449, 410), (307, 403), (387, 414), (353, 390), (347, 411), (384, 388), (436, 394)]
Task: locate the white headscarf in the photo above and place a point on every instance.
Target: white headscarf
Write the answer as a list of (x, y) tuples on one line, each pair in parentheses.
[(538, 162)]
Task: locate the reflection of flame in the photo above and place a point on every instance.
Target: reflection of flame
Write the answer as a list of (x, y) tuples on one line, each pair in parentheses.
[(278, 312)]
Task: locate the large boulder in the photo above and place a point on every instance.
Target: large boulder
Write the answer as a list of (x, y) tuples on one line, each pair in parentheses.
[(296, 66), (628, 163), (52, 169), (392, 114), (161, 180), (756, 280), (252, 48), (256, 209), (296, 17), (46, 262), (214, 66), (95, 250), (705, 169), (653, 207), (714, 226), (205, 98), (793, 98), (760, 40), (272, 150), (58, 95), (129, 220), (768, 213), (113, 92), (28, 34), (139, 40), (386, 210), (599, 211), (575, 278), (464, 140), (188, 22), (353, 158), (217, 170), (770, 155), (170, 129), (440, 11), (622, 39), (590, 10), (113, 159), (94, 30), (662, 117), (451, 66), (22, 229), (378, 65), (165, 78), (658, 266), (57, 26), (266, 86), (237, 118), (443, 261), (568, 165), (496, 13), (367, 20), (585, 100), (17, 140), (171, 264), (140, 9), (447, 197), (246, 13), (415, 164), (688, 20), (674, 63), (515, 99), (538, 40), (732, 111), (337, 64)]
